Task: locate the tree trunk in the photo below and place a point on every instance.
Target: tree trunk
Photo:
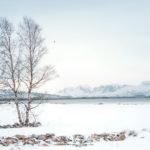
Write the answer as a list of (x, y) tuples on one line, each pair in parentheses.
[(18, 109), (28, 109)]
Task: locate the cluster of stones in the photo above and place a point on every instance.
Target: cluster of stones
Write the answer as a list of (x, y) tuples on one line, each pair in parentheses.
[(51, 139), (17, 125)]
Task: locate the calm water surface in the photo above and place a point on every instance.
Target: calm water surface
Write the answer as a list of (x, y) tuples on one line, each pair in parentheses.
[(101, 101)]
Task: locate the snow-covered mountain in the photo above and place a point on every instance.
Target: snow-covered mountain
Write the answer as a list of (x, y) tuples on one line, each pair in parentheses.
[(115, 90)]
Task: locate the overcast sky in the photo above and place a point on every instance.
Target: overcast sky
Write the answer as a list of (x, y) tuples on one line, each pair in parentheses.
[(96, 41)]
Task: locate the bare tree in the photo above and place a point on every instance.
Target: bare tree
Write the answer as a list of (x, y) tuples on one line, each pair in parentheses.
[(10, 62), (20, 57), (32, 45)]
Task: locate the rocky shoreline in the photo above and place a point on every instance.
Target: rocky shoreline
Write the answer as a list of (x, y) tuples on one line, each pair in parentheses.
[(77, 140), (18, 125)]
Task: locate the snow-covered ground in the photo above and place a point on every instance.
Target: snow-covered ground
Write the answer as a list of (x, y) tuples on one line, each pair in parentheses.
[(69, 119)]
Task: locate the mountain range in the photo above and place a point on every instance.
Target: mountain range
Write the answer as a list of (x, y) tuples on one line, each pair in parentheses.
[(102, 91), (113, 90)]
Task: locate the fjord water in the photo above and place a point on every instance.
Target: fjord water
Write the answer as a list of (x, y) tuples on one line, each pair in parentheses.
[(101, 101)]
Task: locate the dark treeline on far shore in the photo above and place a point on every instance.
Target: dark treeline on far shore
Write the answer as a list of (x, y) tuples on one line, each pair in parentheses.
[(57, 97)]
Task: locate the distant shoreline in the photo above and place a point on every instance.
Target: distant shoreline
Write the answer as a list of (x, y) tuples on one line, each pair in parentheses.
[(78, 98)]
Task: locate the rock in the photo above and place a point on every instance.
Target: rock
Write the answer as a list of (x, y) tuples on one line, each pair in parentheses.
[(9, 140), (41, 137), (3, 143), (122, 137), (30, 141), (17, 125), (90, 140), (34, 136), (48, 141), (48, 135), (44, 144), (95, 137), (21, 137), (111, 137), (132, 133), (76, 140), (61, 140), (108, 137), (79, 136), (79, 140)]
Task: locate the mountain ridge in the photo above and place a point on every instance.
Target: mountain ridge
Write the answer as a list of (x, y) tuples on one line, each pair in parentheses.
[(86, 92), (112, 90)]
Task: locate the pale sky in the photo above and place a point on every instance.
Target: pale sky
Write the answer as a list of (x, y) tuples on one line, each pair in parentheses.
[(97, 41)]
